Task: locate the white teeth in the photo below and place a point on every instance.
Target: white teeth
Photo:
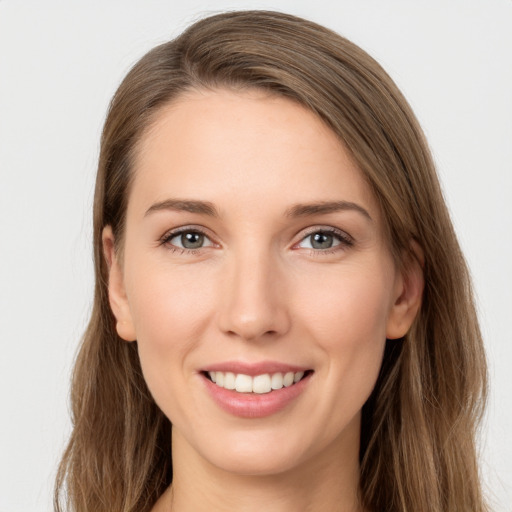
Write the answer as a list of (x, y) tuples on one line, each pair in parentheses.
[(243, 383), (277, 381), (288, 379), (264, 383), (261, 384), (229, 380)]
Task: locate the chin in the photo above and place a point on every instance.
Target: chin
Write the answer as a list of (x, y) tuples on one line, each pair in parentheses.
[(268, 451), (243, 451), (258, 459)]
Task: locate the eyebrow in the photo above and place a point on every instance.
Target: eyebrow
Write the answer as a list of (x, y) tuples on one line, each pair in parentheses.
[(201, 207), (325, 207), (297, 210)]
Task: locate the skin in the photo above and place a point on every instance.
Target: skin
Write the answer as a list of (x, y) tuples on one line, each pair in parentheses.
[(257, 291)]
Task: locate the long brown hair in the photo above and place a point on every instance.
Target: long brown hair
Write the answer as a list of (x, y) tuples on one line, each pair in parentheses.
[(418, 450)]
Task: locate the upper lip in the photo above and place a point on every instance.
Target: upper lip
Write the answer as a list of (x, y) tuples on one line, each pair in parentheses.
[(253, 369)]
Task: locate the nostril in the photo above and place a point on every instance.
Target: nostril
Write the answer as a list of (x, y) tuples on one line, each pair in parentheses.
[(252, 334)]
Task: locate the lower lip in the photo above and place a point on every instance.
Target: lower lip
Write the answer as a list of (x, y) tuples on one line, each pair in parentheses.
[(254, 405)]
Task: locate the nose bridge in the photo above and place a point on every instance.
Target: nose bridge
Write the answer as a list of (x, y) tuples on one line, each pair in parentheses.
[(253, 304)]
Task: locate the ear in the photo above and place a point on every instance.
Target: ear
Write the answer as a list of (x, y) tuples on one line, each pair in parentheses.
[(116, 290), (409, 287)]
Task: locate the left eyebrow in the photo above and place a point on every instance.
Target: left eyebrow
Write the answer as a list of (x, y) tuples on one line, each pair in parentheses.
[(324, 207), (200, 207)]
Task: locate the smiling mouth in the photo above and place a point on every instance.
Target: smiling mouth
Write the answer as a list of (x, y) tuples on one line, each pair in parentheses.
[(258, 384)]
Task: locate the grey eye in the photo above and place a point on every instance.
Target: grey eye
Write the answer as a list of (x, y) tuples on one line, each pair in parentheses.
[(190, 240), (320, 240)]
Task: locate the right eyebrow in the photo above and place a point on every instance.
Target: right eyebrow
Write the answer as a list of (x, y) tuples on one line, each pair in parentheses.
[(192, 206), (325, 207)]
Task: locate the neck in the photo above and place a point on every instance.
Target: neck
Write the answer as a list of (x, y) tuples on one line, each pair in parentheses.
[(326, 482)]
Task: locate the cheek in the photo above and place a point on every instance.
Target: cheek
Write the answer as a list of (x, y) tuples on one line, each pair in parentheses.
[(169, 306), (351, 304), (170, 310), (347, 316)]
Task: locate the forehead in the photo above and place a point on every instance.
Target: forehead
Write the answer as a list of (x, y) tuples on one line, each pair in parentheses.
[(246, 149)]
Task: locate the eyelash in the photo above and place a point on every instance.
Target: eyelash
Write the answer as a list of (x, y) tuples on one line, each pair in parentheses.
[(165, 240), (345, 240)]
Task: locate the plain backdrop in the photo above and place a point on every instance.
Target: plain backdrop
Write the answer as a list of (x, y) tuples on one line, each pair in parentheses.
[(60, 63)]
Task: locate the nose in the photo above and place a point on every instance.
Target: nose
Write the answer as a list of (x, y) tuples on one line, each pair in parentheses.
[(253, 303)]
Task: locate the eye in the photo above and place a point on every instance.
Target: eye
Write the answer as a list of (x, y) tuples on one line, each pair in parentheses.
[(188, 239), (325, 239)]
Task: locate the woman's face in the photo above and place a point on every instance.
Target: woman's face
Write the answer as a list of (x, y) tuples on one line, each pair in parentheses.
[(254, 249)]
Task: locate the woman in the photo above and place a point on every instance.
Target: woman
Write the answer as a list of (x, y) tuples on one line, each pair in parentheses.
[(283, 319)]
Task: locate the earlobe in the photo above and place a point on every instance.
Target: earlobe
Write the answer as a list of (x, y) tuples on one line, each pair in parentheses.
[(408, 294), (116, 289)]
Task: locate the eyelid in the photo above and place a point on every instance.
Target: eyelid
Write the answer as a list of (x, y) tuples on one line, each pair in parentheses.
[(189, 228), (345, 239)]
